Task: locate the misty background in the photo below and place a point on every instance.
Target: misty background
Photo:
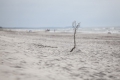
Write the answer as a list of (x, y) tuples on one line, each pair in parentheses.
[(59, 13)]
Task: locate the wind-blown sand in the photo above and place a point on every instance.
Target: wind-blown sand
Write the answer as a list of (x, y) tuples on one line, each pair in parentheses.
[(47, 56)]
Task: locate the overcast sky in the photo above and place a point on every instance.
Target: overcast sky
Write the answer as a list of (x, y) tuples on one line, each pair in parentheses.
[(59, 13)]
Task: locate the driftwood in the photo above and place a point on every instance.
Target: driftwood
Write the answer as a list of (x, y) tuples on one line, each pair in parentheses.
[(47, 30), (75, 29)]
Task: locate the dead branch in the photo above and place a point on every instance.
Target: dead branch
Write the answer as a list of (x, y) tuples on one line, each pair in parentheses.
[(75, 29)]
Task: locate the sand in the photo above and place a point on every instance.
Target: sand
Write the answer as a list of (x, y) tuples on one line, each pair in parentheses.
[(47, 56)]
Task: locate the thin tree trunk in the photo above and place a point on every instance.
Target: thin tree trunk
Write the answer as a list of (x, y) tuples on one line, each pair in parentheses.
[(74, 41)]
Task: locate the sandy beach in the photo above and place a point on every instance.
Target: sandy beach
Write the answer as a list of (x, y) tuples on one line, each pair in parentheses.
[(47, 56)]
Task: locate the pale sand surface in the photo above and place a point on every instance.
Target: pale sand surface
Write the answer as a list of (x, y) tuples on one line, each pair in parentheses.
[(47, 56)]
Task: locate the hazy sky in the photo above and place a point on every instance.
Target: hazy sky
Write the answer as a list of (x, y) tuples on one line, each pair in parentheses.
[(59, 13)]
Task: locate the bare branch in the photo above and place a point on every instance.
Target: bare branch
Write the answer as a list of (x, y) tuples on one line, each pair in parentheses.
[(78, 25), (74, 24), (75, 29)]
